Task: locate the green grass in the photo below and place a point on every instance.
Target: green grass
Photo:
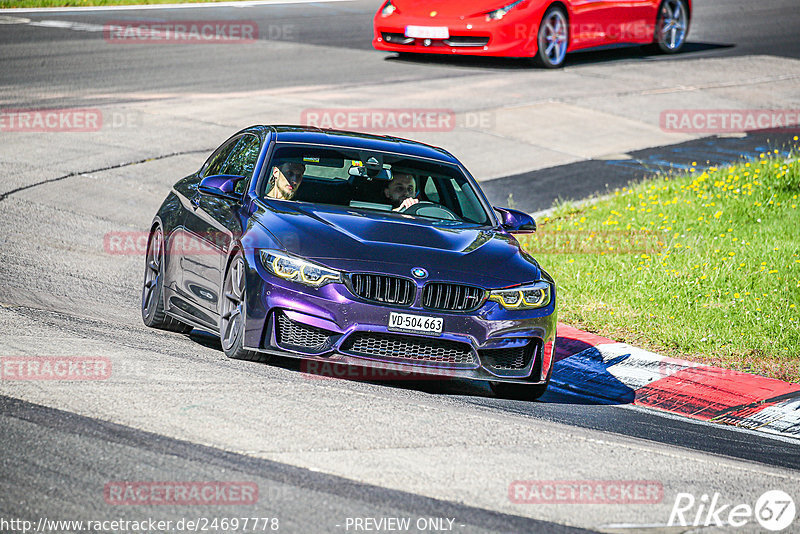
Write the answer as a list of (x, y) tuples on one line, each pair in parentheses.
[(8, 4), (703, 266)]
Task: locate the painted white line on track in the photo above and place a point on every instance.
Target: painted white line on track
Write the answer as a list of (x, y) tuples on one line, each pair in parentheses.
[(67, 25), (244, 3)]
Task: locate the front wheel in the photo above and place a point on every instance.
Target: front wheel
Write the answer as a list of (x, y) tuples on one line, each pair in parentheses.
[(232, 318), (672, 25), (552, 39)]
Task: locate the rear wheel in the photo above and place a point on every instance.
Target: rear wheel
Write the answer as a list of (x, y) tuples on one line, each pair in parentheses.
[(232, 319), (672, 25), (153, 290), (552, 39)]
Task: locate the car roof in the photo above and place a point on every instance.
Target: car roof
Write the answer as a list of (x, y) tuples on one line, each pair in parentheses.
[(364, 141)]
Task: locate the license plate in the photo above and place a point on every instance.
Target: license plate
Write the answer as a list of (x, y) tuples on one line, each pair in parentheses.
[(417, 324), (427, 32)]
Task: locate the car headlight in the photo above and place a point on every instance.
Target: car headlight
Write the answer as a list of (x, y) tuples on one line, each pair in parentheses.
[(292, 268), (498, 14), (526, 297), (388, 8)]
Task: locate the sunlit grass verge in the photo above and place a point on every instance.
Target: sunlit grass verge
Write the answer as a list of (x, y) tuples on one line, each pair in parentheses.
[(703, 266), (8, 4)]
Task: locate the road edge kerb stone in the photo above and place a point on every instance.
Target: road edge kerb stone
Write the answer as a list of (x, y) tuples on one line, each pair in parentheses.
[(617, 373)]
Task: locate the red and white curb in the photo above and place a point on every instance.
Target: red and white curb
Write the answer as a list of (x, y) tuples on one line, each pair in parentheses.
[(598, 367)]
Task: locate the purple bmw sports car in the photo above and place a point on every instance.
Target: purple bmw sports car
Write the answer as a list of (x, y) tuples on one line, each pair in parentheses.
[(353, 249)]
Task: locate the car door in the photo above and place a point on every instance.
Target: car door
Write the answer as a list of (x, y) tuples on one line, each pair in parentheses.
[(213, 223), (591, 21), (604, 22), (641, 18)]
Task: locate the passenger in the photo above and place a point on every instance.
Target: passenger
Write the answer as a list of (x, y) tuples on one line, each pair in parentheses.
[(401, 191), (286, 179)]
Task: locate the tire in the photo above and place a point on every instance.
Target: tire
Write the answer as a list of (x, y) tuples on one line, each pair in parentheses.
[(552, 39), (153, 288), (232, 316), (672, 26)]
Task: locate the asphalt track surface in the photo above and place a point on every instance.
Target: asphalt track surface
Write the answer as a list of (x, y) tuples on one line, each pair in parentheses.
[(60, 446), (720, 29), (60, 438)]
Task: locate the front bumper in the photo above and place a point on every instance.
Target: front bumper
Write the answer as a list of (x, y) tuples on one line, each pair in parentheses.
[(333, 325), (513, 36)]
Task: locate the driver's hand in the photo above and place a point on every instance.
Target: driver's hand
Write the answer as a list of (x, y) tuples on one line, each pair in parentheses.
[(407, 203)]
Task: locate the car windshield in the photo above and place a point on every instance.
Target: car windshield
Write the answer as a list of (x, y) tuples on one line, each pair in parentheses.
[(369, 180)]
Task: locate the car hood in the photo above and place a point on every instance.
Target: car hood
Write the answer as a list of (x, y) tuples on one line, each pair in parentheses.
[(350, 239)]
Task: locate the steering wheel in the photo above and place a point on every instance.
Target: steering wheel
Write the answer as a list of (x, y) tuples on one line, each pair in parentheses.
[(431, 209)]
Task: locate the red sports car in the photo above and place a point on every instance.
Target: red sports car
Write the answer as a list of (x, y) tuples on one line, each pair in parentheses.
[(541, 29)]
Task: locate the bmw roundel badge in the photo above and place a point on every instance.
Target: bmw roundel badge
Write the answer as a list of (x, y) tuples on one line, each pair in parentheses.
[(419, 272)]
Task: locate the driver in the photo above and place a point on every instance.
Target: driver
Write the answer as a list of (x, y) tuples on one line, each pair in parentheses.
[(286, 178), (401, 191)]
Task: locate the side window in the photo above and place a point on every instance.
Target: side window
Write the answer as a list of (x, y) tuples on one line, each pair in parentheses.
[(217, 160), (242, 160), (469, 204)]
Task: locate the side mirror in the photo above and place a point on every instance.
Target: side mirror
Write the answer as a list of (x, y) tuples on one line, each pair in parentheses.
[(516, 221), (220, 185)]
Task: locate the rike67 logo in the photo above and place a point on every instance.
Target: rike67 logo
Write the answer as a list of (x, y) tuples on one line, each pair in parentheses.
[(774, 511)]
